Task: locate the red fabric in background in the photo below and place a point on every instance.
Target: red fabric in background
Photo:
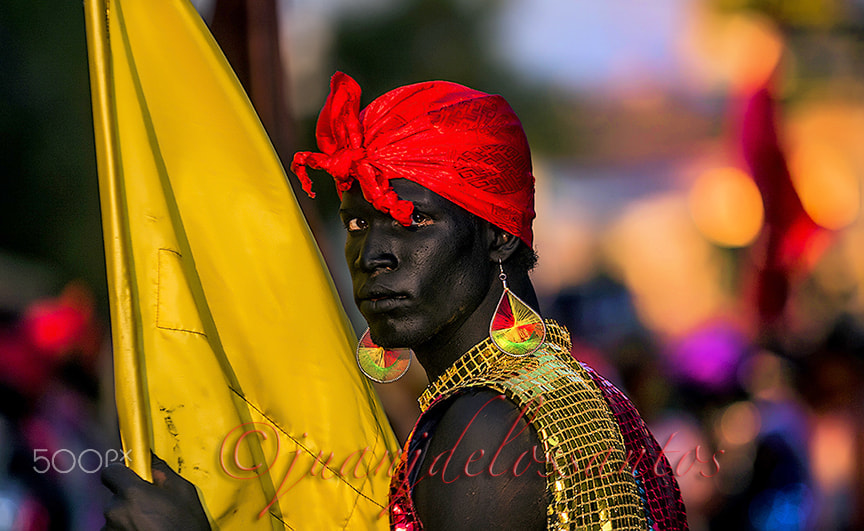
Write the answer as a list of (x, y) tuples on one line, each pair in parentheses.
[(789, 231), (463, 144)]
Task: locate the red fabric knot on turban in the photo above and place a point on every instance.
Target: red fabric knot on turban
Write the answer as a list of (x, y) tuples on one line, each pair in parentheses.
[(340, 138), (465, 145)]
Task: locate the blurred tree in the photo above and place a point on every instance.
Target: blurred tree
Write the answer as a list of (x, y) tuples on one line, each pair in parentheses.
[(421, 40), (49, 206), (803, 13)]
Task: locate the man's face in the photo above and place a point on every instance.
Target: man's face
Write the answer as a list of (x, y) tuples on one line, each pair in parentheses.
[(413, 283)]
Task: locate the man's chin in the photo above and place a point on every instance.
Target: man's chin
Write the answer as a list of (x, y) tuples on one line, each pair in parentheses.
[(393, 335)]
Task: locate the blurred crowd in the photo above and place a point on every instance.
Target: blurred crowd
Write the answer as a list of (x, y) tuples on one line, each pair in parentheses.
[(54, 439)]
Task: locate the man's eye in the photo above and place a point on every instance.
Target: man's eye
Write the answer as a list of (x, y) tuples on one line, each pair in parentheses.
[(420, 220), (355, 224)]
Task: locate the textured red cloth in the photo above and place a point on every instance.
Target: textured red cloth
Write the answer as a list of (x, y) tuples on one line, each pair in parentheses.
[(467, 146)]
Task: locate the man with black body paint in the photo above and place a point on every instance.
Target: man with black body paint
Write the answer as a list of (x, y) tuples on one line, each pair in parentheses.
[(427, 247)]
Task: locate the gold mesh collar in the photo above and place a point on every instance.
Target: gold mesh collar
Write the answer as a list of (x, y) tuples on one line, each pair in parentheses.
[(480, 359)]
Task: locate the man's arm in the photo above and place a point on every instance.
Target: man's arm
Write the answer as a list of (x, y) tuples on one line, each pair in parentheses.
[(484, 468)]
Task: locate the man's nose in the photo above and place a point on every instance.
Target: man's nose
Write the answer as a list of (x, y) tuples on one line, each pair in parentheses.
[(378, 249)]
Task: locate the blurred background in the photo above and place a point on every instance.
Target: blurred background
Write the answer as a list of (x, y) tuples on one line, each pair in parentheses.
[(699, 227)]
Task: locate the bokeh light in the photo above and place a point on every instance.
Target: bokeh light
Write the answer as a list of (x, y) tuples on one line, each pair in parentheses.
[(739, 51), (740, 423), (671, 269), (832, 452), (827, 184), (726, 207)]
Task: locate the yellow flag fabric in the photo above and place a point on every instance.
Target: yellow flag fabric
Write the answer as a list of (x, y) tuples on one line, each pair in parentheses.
[(233, 356)]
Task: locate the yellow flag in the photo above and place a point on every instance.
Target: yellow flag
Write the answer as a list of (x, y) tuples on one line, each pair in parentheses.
[(233, 356)]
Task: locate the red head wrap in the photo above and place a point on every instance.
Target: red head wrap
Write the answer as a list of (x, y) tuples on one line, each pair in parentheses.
[(467, 146)]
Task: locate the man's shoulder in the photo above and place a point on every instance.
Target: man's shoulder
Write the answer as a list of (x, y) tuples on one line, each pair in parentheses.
[(482, 449), (478, 413)]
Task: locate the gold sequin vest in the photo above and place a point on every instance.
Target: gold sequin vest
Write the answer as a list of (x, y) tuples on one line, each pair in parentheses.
[(590, 484)]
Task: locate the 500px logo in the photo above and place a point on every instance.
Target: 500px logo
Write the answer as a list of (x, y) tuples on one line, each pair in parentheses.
[(64, 460)]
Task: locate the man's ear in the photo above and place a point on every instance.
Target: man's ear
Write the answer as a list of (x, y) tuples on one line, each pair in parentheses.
[(502, 244)]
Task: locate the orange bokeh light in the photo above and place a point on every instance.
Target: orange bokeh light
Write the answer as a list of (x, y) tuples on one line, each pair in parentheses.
[(740, 51), (726, 207), (826, 182), (740, 423)]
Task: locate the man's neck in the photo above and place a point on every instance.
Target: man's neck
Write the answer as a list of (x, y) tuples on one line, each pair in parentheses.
[(449, 345)]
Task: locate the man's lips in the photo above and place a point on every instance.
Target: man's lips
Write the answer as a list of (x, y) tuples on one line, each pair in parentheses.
[(382, 301)]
